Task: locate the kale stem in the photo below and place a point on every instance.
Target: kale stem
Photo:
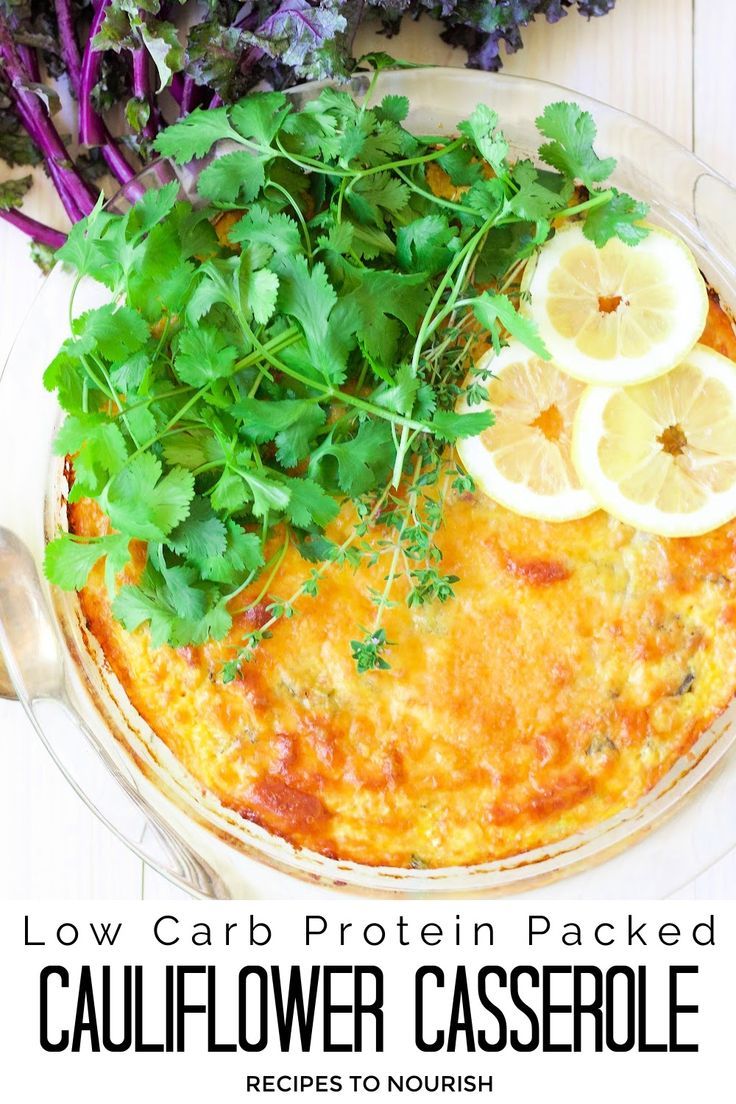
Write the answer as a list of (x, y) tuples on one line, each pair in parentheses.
[(142, 89), (46, 235)]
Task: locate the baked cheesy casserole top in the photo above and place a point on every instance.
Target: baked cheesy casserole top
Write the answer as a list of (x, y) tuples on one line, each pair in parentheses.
[(576, 664)]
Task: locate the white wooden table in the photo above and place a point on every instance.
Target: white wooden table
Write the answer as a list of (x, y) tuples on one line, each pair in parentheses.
[(671, 62)]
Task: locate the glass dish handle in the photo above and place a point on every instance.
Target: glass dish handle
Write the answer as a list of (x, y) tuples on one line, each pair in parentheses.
[(34, 673)]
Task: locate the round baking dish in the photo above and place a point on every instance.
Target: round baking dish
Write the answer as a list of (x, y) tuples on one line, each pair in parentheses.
[(125, 773)]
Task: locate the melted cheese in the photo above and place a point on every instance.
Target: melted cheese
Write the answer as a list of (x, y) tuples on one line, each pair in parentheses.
[(576, 665)]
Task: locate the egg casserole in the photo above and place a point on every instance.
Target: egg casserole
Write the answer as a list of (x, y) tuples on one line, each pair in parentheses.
[(578, 662)]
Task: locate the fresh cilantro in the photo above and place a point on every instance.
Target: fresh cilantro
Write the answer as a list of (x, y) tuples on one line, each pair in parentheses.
[(426, 244), (258, 366), (482, 130), (233, 179), (620, 217), (69, 560), (494, 311), (570, 150), (142, 502), (204, 354), (195, 135)]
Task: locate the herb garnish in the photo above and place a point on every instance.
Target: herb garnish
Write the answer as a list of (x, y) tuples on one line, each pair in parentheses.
[(253, 373)]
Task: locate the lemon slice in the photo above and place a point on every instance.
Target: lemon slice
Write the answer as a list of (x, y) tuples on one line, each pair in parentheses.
[(524, 460), (621, 314), (661, 455)]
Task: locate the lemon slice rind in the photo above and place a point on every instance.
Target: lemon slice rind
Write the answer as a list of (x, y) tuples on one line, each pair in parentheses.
[(567, 504), (682, 321), (588, 435)]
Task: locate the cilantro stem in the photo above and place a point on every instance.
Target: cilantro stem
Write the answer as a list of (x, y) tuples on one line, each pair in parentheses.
[(437, 200), (444, 283), (355, 174), (298, 212), (446, 311), (276, 561), (276, 344), (302, 161), (407, 162), (354, 400), (595, 201), (172, 422), (158, 397), (457, 261)]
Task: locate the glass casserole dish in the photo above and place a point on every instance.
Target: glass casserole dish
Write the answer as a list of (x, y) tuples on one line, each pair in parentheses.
[(126, 774)]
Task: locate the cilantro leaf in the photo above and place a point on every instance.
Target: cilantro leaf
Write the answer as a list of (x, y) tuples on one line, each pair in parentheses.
[(620, 217), (242, 555), (487, 197), (482, 130), (572, 133), (393, 107), (68, 560), (534, 200), (260, 116), (84, 250), (401, 393), (492, 310), (309, 504), (233, 179), (153, 206), (115, 332), (201, 536), (194, 135), (142, 503), (203, 355), (292, 423), (267, 493), (374, 197), (379, 298), (426, 244), (260, 226), (309, 297), (356, 465), (449, 425), (99, 450), (258, 290), (176, 608)]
